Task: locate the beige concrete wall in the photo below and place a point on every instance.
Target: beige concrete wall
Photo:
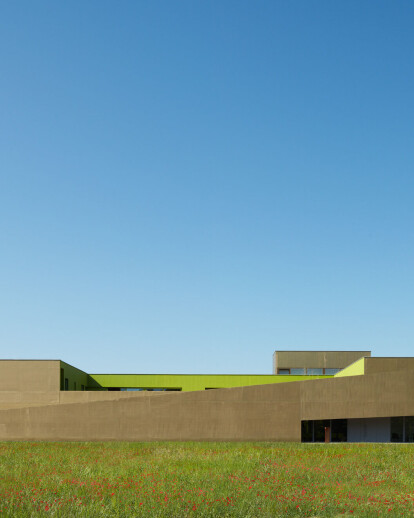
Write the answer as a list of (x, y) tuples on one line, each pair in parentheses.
[(71, 397), (29, 382), (266, 412), (373, 365), (316, 359), (382, 394)]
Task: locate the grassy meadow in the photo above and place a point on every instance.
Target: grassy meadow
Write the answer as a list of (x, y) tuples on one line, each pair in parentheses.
[(205, 479)]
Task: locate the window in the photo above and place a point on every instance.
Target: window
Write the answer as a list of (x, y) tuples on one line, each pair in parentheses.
[(397, 429), (339, 429), (297, 372), (314, 372), (307, 431), (66, 384), (409, 429), (314, 431), (319, 430), (74, 385), (82, 387), (283, 371), (402, 429), (331, 372)]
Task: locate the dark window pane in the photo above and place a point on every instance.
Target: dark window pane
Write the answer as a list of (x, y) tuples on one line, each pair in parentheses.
[(396, 429), (339, 430), (283, 371), (409, 429), (307, 432), (319, 432)]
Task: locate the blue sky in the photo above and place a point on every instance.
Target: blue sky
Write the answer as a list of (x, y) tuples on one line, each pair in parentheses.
[(189, 186)]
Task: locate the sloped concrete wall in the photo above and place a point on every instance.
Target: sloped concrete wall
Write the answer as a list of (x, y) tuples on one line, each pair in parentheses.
[(264, 412), (71, 397), (253, 413)]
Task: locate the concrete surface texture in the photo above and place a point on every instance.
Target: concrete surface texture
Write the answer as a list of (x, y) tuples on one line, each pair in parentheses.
[(266, 412), (33, 408)]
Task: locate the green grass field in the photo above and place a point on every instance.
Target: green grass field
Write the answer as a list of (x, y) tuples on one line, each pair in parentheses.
[(205, 479)]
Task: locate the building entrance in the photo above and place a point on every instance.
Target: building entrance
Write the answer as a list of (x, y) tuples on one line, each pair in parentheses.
[(325, 430)]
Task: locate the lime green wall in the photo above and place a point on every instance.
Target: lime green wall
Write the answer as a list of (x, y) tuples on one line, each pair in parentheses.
[(74, 375), (188, 382), (355, 369)]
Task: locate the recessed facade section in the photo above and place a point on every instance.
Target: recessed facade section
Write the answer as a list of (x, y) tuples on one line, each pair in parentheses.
[(314, 363), (376, 429)]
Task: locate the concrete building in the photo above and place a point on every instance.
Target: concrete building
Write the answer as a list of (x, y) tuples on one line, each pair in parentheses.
[(312, 396)]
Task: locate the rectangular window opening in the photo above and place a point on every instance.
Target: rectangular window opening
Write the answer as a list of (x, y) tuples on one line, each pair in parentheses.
[(297, 372), (324, 430), (409, 429), (397, 429), (331, 372), (314, 372), (339, 430), (283, 371)]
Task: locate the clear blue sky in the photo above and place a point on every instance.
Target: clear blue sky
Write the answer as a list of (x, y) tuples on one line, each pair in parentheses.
[(188, 186)]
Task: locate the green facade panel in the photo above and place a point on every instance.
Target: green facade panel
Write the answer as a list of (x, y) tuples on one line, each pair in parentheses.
[(186, 382), (355, 369), (72, 378)]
